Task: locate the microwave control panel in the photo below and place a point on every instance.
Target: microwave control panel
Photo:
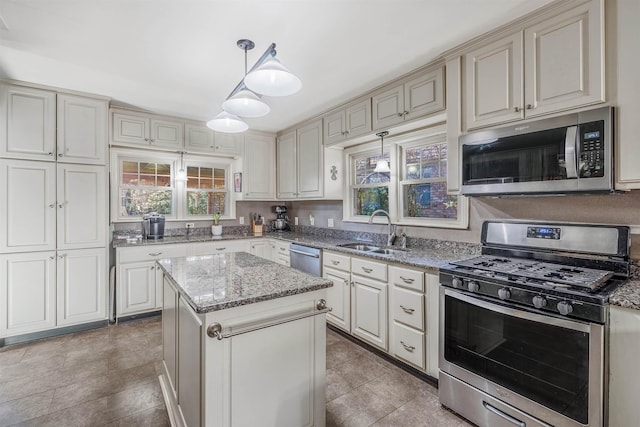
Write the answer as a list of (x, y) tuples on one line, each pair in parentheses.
[(591, 145)]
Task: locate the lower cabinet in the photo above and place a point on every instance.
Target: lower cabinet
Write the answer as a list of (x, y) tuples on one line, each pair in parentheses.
[(44, 290), (280, 252), (339, 297), (261, 248), (624, 379)]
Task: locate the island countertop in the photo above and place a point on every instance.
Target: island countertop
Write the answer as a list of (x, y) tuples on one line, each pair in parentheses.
[(220, 281)]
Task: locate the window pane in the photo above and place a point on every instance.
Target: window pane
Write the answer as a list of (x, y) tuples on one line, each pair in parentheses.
[(430, 170), (364, 166), (163, 169), (218, 173), (206, 173), (130, 179), (148, 168), (163, 181), (129, 167), (429, 201), (137, 202), (147, 180), (205, 203), (206, 183), (367, 200)]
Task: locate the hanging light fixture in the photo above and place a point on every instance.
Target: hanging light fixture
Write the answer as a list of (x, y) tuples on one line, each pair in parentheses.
[(181, 175), (266, 77), (382, 166)]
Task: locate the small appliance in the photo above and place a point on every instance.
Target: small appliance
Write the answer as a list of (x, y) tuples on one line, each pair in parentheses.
[(153, 225), (282, 221)]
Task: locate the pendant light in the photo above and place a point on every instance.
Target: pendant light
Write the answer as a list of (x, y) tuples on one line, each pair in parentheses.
[(272, 79), (181, 175), (382, 166), (227, 123)]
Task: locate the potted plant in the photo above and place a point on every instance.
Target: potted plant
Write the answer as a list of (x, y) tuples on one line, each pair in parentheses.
[(216, 229)]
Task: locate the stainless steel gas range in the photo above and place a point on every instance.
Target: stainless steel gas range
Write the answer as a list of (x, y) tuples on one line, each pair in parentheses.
[(523, 326)]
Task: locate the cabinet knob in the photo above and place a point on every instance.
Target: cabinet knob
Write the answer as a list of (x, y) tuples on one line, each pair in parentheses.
[(346, 282), (52, 205), (153, 267), (50, 153), (516, 109), (529, 106), (60, 155), (217, 147), (401, 114)]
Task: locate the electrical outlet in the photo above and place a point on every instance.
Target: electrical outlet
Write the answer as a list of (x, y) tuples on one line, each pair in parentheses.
[(330, 223), (312, 220), (295, 220), (241, 220), (190, 225)]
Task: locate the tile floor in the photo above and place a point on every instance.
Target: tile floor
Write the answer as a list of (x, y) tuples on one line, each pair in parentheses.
[(109, 377)]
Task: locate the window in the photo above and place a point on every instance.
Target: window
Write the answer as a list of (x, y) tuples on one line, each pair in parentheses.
[(415, 192), (207, 190), (370, 190), (145, 187)]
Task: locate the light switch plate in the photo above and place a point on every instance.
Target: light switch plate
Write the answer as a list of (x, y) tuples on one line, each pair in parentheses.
[(330, 223), (295, 220), (241, 220)]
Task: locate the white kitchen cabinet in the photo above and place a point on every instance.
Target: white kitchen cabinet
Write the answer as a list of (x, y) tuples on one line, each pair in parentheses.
[(198, 138), (169, 334), (261, 248), (369, 310), (81, 286), (220, 247), (131, 128), (432, 307), (286, 167), (339, 298), (28, 123), (624, 379), (82, 130), (189, 379), (349, 122), (166, 133), (417, 96), (560, 55), (27, 206), (280, 252), (259, 167), (309, 161), (229, 144), (27, 292)]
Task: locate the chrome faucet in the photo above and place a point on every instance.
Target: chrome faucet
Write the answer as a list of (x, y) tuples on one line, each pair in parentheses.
[(392, 228)]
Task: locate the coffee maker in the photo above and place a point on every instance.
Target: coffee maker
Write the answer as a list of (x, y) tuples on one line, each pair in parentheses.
[(282, 221), (153, 225)]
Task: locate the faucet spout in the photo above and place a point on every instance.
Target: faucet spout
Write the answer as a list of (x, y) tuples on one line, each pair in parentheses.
[(392, 234)]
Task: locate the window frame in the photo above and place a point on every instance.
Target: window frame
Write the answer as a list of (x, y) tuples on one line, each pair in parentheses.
[(214, 163)]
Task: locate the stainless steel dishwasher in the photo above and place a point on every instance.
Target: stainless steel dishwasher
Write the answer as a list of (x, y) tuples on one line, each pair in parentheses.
[(306, 259)]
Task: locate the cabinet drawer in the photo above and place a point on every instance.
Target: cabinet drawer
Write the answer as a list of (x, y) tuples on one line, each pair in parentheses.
[(407, 278), (282, 259), (333, 260), (407, 307), (363, 267), (151, 252), (408, 344), (211, 248), (281, 248)]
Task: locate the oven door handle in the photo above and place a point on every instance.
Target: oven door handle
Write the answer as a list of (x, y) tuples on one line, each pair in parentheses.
[(514, 312), (504, 415), (570, 143)]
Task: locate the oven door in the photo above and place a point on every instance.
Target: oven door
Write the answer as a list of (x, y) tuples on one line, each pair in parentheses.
[(548, 367)]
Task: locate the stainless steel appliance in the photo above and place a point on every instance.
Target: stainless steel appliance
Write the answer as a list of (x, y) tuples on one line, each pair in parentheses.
[(305, 258), (282, 221), (523, 326), (566, 154), (153, 225)]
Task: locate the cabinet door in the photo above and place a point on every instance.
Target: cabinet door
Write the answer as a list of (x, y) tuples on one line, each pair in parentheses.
[(82, 130), (170, 333), (286, 166), (369, 310), (27, 206), (357, 119), (165, 133), (82, 206), (82, 289), (259, 167), (189, 364), (310, 161), (334, 128), (388, 107), (229, 143), (432, 320), (198, 138), (338, 298), (130, 128), (564, 61), (260, 248), (493, 83), (424, 95), (136, 288), (28, 123), (27, 292), (624, 380)]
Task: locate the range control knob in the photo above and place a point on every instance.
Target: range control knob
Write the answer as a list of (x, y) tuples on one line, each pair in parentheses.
[(504, 293), (457, 282), (539, 301), (473, 286), (565, 308)]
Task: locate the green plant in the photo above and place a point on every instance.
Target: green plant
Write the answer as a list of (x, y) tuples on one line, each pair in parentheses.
[(216, 218)]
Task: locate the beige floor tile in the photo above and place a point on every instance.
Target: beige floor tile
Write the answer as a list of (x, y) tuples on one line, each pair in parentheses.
[(18, 410)]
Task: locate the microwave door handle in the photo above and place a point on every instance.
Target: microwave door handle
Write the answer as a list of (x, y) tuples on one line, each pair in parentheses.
[(570, 143)]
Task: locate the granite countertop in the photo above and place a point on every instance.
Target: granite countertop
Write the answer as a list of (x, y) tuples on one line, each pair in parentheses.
[(628, 295), (220, 281)]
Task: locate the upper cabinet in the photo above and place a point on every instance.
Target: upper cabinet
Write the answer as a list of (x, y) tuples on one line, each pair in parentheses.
[(348, 122), (139, 129), (551, 65), (201, 139), (82, 130), (259, 163), (418, 96)]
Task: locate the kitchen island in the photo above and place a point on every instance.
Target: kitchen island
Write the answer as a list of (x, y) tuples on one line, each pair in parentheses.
[(244, 342)]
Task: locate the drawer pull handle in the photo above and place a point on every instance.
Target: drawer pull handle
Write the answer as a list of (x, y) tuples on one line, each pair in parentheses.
[(335, 262), (407, 310), (155, 253), (407, 280), (152, 267), (346, 282), (220, 249), (283, 249), (409, 348), (367, 270)]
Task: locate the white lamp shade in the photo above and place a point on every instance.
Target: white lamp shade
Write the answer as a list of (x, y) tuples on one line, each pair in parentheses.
[(382, 166), (227, 123), (245, 104), (272, 79)]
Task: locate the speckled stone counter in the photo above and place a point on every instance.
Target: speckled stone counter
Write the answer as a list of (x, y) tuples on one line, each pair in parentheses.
[(628, 295), (220, 281)]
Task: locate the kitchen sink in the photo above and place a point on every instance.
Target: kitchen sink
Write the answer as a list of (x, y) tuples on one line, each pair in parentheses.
[(386, 251), (360, 247)]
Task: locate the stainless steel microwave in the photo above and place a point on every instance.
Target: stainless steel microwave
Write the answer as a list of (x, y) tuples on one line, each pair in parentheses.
[(565, 154)]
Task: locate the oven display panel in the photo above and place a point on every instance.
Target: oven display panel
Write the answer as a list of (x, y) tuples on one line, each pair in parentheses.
[(543, 233)]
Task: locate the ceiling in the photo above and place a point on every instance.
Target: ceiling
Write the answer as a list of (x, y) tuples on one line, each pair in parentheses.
[(179, 57)]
